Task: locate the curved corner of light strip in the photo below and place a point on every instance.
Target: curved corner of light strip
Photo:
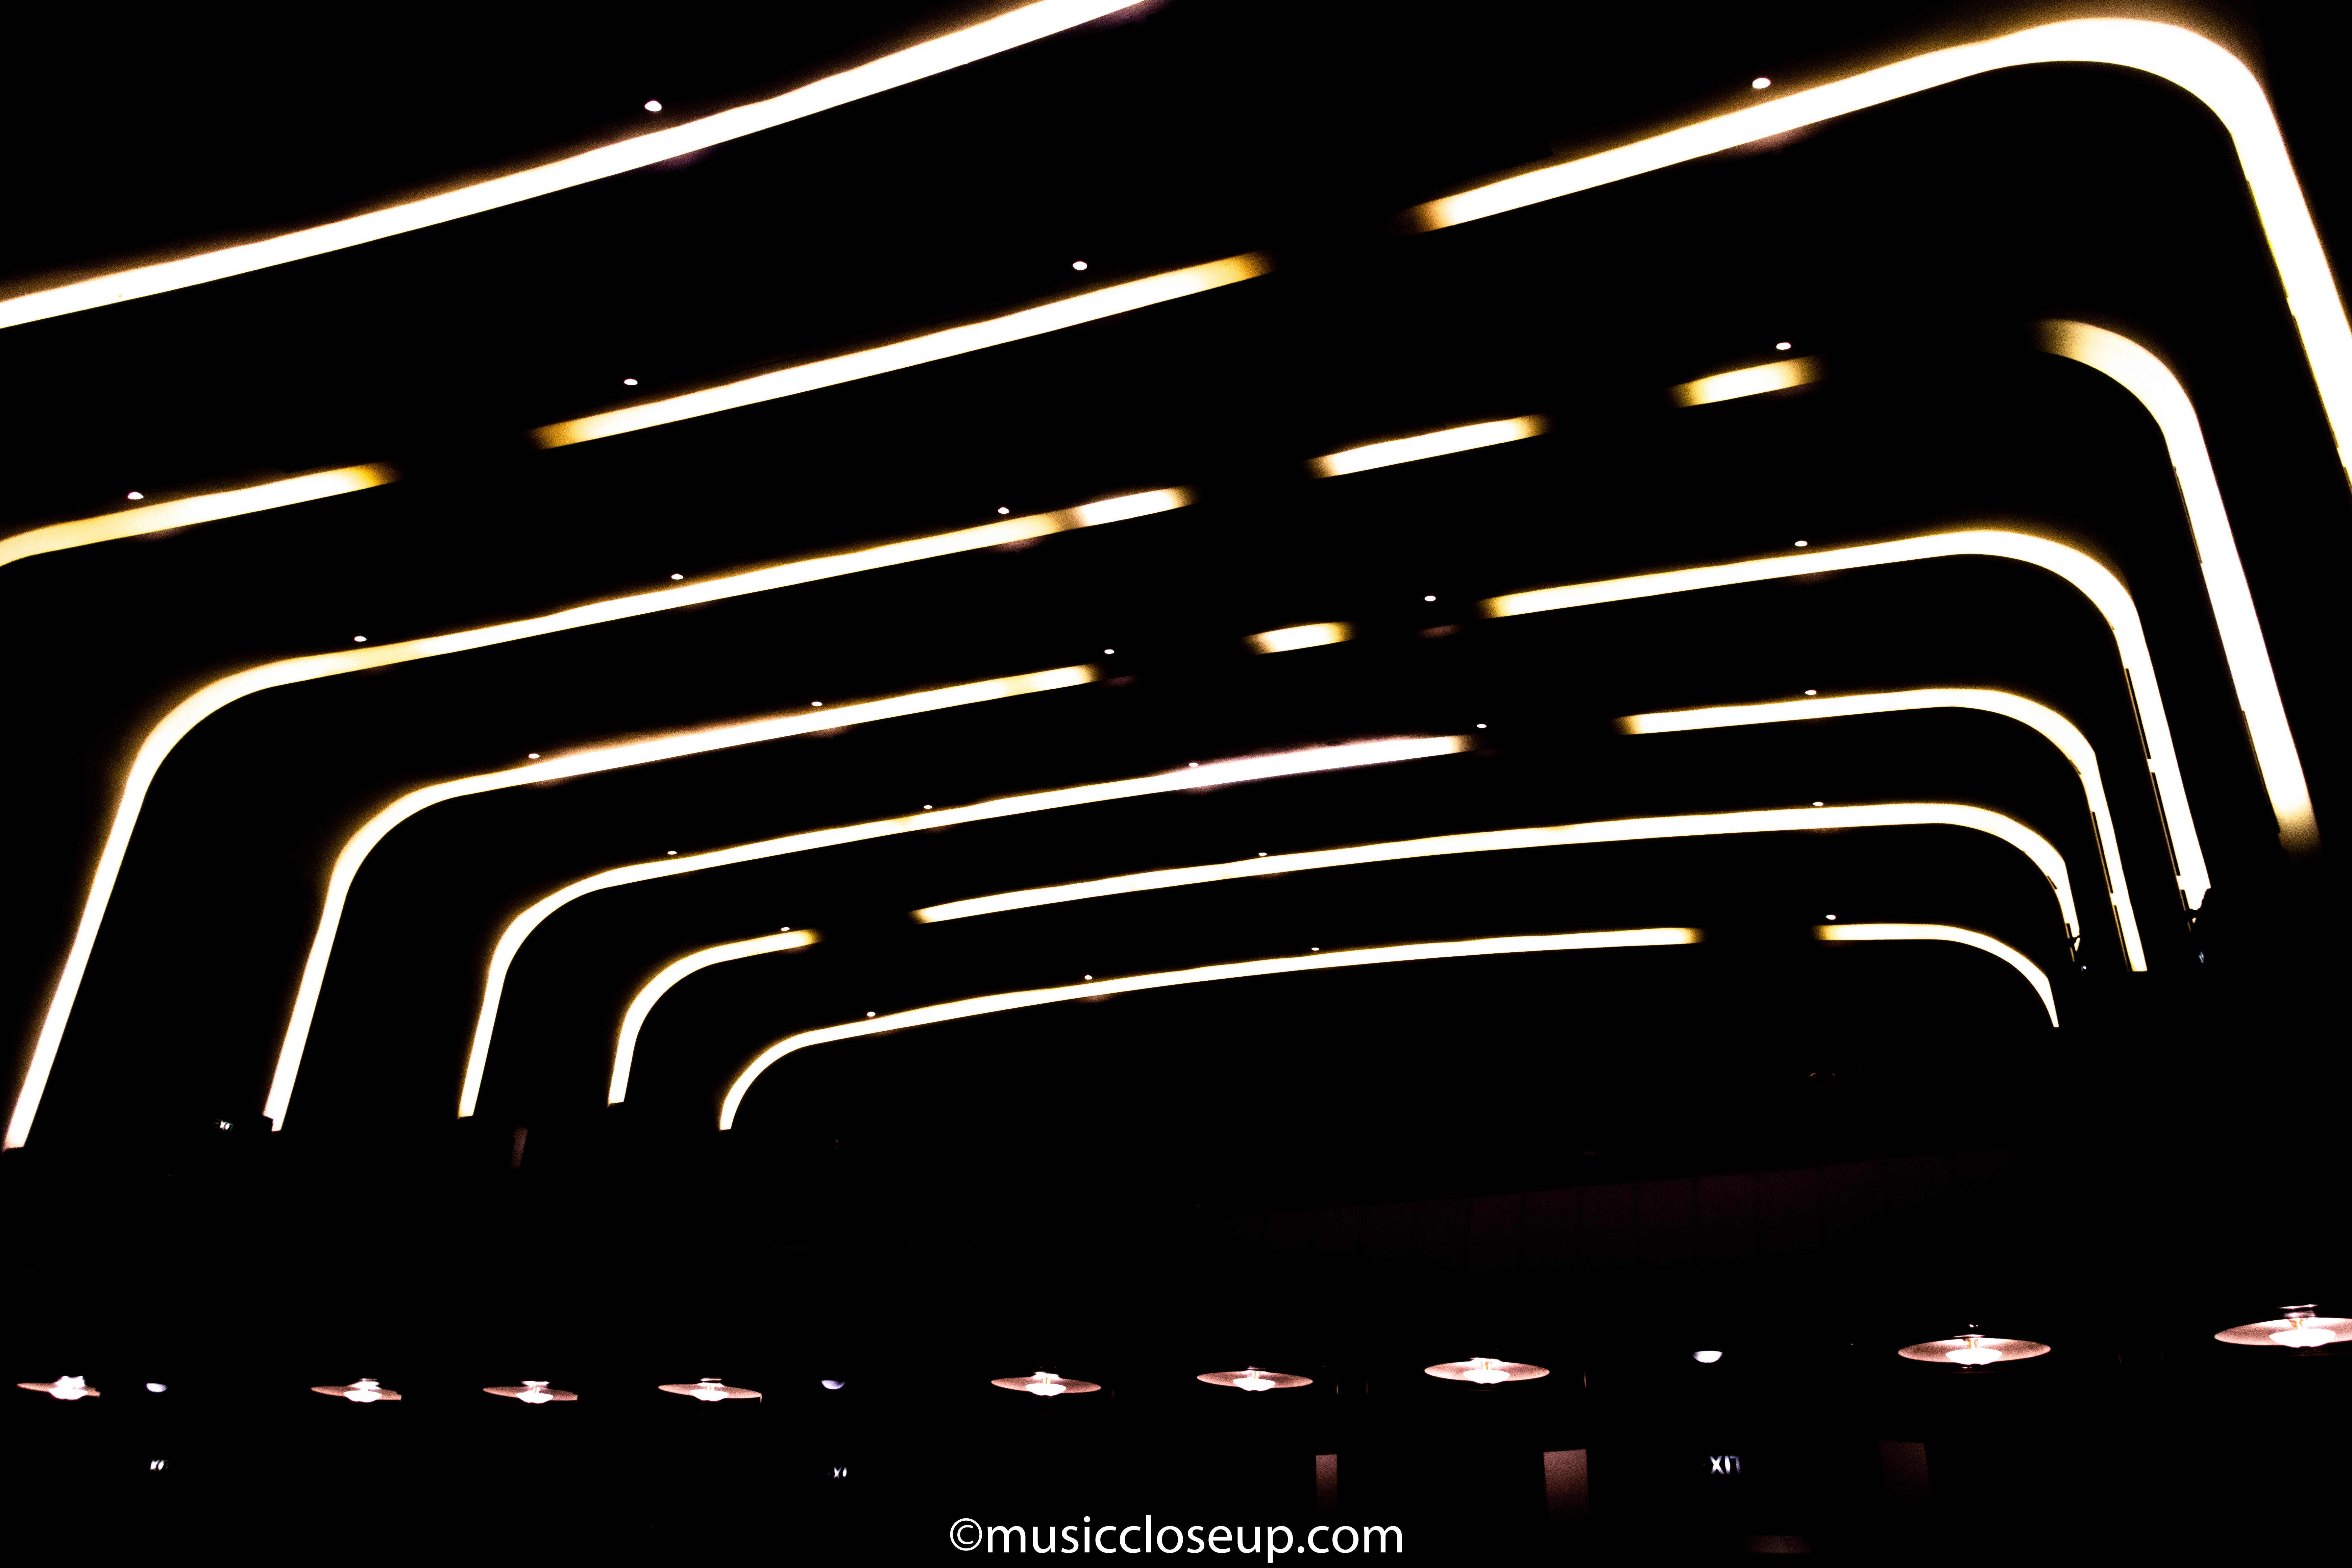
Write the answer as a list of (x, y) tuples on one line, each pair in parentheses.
[(2087, 576), (1210, 775), (641, 1005), (975, 1006), (2051, 725), (2026, 967)]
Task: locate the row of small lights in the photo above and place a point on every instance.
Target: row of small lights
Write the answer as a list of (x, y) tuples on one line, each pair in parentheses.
[(2300, 1329)]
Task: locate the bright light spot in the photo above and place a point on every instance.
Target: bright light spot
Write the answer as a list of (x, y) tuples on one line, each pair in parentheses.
[(1110, 650), (535, 1392), (1429, 598), (677, 576), (869, 1015), (1077, 267), (832, 1383), (534, 756), (135, 495), (1811, 691), (1254, 1382), (1801, 543), (2303, 1338), (359, 639), (783, 928), (1432, 444), (223, 1126), (1085, 977), (1830, 916), (673, 851), (1817, 803), (628, 381), (1973, 1354), (1482, 726), (1784, 347), (1191, 764), (816, 704), (1706, 1358), (653, 106), (366, 1391), (155, 1388), (1486, 1372), (1760, 84), (1005, 512)]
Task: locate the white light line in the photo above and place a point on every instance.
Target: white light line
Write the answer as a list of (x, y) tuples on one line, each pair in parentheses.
[(2094, 582), (2037, 850), (601, 759), (641, 1005), (1747, 383), (155, 517), (2051, 725), (174, 727), (1241, 770), (1961, 934), (1419, 448), (975, 1006), (2143, 376), (1011, 30)]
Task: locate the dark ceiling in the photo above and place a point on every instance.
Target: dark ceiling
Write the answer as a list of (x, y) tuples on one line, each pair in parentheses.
[(1910, 247)]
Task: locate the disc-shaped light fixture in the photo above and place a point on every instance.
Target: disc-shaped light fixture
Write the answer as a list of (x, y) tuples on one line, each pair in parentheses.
[(709, 1389), (1257, 1379), (2295, 1328), (530, 1392), (1487, 1370), (64, 1388), (366, 1391), (1046, 1384), (1971, 1350)]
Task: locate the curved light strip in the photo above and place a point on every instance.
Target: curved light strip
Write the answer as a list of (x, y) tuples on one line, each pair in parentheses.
[(641, 1005), (2095, 583), (1772, 376), (2205, 69), (1961, 934), (1027, 24), (209, 699), (1210, 775), (1790, 819), (2143, 376), (2047, 722), (972, 1007), (601, 759)]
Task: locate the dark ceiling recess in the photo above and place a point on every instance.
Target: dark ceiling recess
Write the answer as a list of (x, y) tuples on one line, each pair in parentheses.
[(1801, 1151)]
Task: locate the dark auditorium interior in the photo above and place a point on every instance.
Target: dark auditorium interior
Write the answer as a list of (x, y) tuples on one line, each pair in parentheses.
[(1791, 795)]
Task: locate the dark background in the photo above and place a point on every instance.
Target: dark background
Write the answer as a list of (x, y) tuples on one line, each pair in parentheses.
[(1804, 1154)]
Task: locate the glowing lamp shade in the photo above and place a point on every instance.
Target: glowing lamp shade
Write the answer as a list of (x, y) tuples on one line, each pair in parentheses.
[(1971, 1351), (366, 1391), (709, 1389), (1045, 1384), (1256, 1379), (2295, 1328), (835, 1384), (1706, 1358), (530, 1392), (1487, 1370), (64, 1388)]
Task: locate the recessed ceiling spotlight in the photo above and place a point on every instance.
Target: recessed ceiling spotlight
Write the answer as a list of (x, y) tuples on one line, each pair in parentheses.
[(1812, 691), (816, 704), (1045, 1384), (1005, 512), (157, 1387), (869, 1015), (134, 495), (531, 1393), (1261, 853), (835, 1384), (1817, 803), (1482, 726), (1077, 267), (534, 756), (653, 106), (628, 381), (1801, 543), (1429, 598), (1783, 346), (1191, 764), (1110, 650), (359, 639), (677, 576), (1971, 1350), (1760, 84), (1487, 1370), (1831, 917), (64, 1388), (709, 1389), (1706, 1358), (2296, 1328), (1256, 1380), (670, 851), (366, 1391)]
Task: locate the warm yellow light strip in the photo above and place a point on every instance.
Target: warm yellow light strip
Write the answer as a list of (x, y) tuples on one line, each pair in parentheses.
[(133, 522), (601, 759), (2146, 377), (194, 709), (1749, 383), (641, 1005), (1208, 776), (2047, 722), (2205, 69), (974, 1007), (1793, 819), (1025, 25), (947, 343), (1416, 448), (1961, 934), (2094, 582), (1283, 639)]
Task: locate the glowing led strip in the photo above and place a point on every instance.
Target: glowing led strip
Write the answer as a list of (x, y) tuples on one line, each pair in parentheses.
[(1966, 938), (974, 1007), (2205, 69), (2143, 376), (1208, 775), (641, 1005), (601, 759), (207, 700), (1754, 380), (1635, 829), (1012, 29), (2094, 582), (2047, 722), (1417, 449)]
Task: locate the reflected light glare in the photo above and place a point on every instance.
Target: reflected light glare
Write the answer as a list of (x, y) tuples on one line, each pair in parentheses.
[(1415, 448), (2051, 725), (2094, 582), (1749, 383), (976, 1006), (2026, 968)]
